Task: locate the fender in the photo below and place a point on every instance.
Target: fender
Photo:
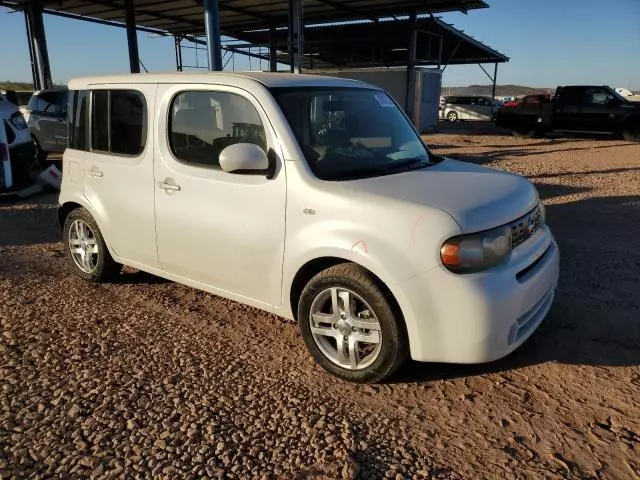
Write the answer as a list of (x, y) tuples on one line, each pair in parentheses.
[(81, 200)]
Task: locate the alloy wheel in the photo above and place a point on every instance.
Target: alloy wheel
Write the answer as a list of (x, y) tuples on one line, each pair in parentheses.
[(84, 246), (345, 328)]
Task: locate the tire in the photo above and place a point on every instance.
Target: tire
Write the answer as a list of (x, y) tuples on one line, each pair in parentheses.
[(525, 133), (41, 155), (81, 232), (631, 131), (452, 116), (383, 344)]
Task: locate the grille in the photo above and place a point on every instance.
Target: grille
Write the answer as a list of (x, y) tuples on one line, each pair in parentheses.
[(525, 227)]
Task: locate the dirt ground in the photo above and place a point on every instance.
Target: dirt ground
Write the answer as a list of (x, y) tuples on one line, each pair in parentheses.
[(146, 378)]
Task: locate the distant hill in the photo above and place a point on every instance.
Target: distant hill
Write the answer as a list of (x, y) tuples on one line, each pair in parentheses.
[(16, 86), (501, 90)]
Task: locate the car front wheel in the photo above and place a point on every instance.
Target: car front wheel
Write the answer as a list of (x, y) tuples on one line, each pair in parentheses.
[(350, 326), (452, 116)]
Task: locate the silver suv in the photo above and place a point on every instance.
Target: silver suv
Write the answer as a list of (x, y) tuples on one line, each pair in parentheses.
[(47, 119)]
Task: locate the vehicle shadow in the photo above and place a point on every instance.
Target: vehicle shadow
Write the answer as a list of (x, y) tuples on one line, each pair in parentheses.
[(486, 157), (594, 319), (28, 222), (138, 277)]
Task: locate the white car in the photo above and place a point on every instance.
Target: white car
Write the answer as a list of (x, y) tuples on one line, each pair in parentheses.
[(20, 145), (313, 198), (468, 108)]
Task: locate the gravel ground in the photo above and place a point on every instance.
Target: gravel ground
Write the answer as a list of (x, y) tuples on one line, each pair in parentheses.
[(145, 378)]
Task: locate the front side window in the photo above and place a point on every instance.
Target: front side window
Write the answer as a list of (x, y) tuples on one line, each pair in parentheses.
[(203, 123), (601, 96), (350, 133), (118, 122)]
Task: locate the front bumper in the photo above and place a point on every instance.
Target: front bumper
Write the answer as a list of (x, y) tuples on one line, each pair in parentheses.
[(481, 317)]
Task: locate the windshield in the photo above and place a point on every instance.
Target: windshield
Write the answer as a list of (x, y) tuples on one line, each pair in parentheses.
[(350, 133)]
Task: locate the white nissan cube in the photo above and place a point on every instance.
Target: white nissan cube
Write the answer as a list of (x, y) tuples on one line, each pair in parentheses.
[(313, 198)]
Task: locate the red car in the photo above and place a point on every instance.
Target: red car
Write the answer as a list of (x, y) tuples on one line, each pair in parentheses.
[(533, 98)]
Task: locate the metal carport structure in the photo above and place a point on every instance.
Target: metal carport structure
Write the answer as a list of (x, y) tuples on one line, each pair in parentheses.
[(380, 44), (383, 44), (213, 17)]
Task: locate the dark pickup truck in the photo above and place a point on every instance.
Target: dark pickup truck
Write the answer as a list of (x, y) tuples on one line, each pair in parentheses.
[(584, 109)]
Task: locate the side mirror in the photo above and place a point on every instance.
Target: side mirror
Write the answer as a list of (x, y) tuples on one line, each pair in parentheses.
[(246, 158)]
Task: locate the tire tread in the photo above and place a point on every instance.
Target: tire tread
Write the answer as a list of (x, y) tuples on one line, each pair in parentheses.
[(384, 307)]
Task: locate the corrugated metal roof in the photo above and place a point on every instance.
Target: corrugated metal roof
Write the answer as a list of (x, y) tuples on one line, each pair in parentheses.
[(381, 44), (186, 16)]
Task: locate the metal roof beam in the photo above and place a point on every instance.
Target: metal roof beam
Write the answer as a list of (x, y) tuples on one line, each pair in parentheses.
[(243, 11), (348, 9), (149, 13)]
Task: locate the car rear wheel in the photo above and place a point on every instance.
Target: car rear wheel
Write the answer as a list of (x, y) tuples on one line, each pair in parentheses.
[(631, 131), (349, 325), (525, 133), (86, 248), (452, 116), (41, 155)]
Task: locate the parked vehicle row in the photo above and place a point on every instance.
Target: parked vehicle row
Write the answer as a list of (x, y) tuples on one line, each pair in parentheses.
[(468, 108), (582, 108), (313, 198)]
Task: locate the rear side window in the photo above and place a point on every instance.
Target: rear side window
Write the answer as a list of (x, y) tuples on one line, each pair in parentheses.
[(203, 123), (118, 122), (78, 101)]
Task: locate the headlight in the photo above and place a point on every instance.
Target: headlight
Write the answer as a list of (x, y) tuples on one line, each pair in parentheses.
[(17, 120), (478, 251)]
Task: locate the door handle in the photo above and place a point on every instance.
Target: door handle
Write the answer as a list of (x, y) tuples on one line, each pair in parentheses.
[(169, 187), (95, 173)]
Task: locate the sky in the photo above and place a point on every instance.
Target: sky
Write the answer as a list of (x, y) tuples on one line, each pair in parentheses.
[(549, 42)]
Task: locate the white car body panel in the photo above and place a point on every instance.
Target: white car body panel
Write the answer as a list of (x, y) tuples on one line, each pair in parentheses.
[(231, 227), (245, 237), (120, 189)]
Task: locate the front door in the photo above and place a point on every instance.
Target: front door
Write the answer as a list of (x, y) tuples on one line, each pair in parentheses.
[(224, 231)]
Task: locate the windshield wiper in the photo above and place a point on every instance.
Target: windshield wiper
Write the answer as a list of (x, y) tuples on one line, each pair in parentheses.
[(410, 164)]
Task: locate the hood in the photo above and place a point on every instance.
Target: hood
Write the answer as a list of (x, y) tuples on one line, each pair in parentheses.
[(478, 198)]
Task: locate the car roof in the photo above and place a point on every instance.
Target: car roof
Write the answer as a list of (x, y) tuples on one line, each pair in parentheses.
[(51, 90), (268, 79)]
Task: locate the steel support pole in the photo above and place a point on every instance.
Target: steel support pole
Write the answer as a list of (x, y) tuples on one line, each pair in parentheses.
[(411, 65), (493, 91), (273, 50), (495, 77), (132, 36), (34, 72), (178, 43), (39, 44), (296, 41), (212, 30)]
